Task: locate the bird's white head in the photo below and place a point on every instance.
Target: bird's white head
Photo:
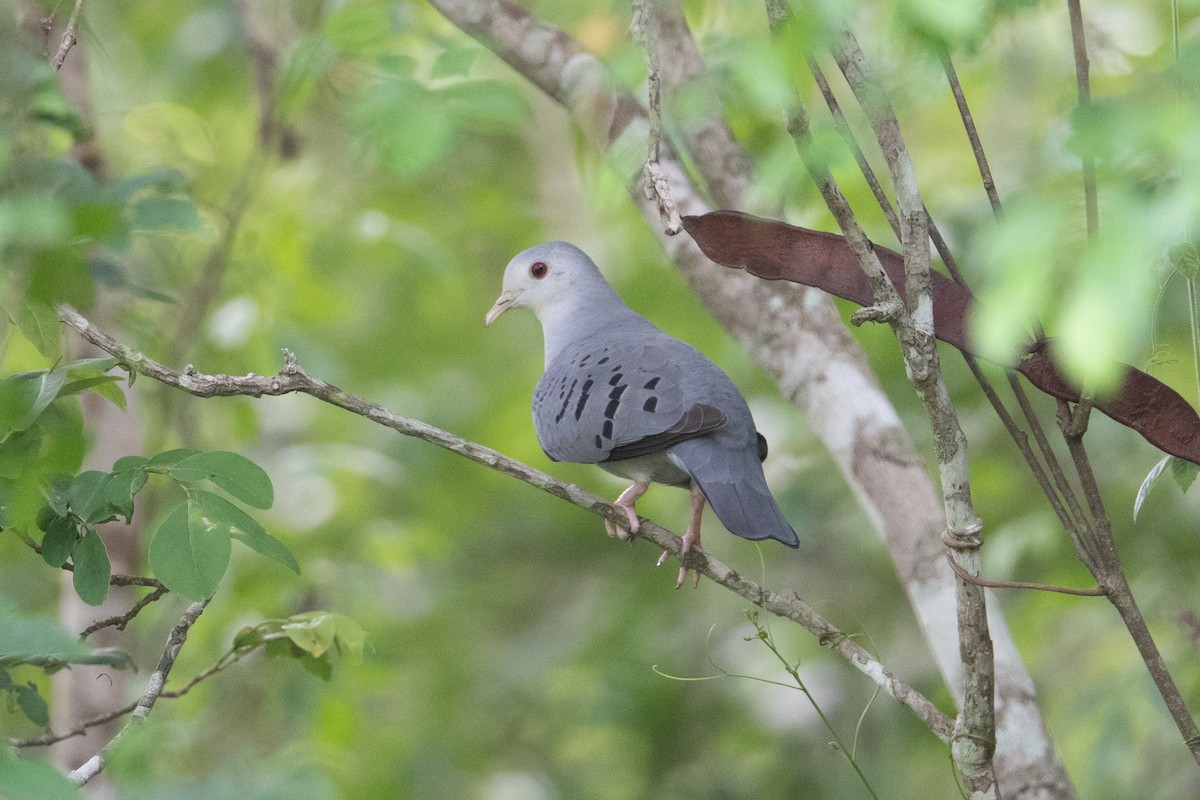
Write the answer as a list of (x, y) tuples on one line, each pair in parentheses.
[(553, 280)]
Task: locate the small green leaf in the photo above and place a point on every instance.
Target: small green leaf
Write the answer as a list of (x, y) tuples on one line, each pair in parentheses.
[(350, 638), (248, 638), (38, 322), (190, 553), (33, 780), (172, 213), (244, 528), (1184, 473), (92, 569), (358, 25), (173, 131), (129, 462), (313, 632), (317, 666), (454, 61), (32, 705), (82, 367), (87, 496), (234, 473), (121, 488), (24, 396), (60, 539)]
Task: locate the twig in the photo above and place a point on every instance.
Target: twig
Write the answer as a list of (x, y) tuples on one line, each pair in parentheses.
[(69, 38), (964, 111), (1110, 575), (1042, 587), (142, 708), (1079, 46), (975, 731), (119, 621), (658, 188), (293, 379)]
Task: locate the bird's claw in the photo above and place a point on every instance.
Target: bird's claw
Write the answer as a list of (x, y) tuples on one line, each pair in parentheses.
[(684, 569), (615, 531)]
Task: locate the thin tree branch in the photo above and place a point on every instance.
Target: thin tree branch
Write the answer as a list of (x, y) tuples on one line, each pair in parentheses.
[(119, 621), (145, 704), (658, 188), (964, 111), (69, 38), (293, 379), (1041, 587), (974, 741), (1079, 46), (906, 528)]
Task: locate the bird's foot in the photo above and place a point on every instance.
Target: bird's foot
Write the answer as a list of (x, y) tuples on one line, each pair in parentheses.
[(627, 502), (691, 538)]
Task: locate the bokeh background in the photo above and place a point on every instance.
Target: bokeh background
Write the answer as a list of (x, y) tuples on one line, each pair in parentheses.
[(513, 650)]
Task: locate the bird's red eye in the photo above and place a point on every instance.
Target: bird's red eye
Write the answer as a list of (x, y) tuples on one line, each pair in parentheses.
[(538, 269)]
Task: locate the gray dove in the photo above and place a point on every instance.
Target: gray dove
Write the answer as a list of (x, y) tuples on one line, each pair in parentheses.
[(619, 393)]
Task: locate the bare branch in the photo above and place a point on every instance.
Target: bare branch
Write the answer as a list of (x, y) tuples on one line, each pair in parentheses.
[(145, 703), (119, 621), (975, 731), (964, 111), (1042, 587), (658, 188), (69, 38), (292, 379), (1079, 46)]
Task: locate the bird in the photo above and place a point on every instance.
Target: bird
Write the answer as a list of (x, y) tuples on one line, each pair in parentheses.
[(620, 393)]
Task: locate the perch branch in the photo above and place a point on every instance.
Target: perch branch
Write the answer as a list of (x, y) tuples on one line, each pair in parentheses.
[(293, 379)]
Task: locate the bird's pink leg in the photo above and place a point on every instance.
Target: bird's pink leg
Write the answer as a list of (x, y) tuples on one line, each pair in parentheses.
[(691, 538), (627, 503)]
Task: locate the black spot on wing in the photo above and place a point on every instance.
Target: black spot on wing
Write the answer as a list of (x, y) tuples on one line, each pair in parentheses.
[(650, 404), (652, 383), (569, 393), (607, 429), (615, 379), (584, 394)]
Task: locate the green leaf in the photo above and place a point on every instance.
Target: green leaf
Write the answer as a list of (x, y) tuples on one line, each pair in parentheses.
[(313, 631), (248, 638), (24, 396), (358, 25), (92, 569), (173, 130), (1184, 473), (33, 780), (125, 463), (350, 638), (492, 105), (234, 473), (25, 638), (88, 496), (32, 705), (83, 384), (157, 213), (244, 528), (190, 553), (38, 322), (60, 539), (454, 62), (97, 365), (122, 486), (317, 666)]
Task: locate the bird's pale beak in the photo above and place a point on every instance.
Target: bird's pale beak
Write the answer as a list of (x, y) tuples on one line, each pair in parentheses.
[(503, 303)]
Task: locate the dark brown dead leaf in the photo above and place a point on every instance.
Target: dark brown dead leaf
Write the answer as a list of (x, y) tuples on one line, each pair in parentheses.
[(778, 251)]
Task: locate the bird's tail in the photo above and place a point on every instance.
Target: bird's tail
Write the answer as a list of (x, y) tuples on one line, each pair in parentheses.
[(735, 487)]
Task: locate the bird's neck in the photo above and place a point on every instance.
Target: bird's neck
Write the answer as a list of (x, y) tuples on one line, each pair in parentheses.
[(567, 323)]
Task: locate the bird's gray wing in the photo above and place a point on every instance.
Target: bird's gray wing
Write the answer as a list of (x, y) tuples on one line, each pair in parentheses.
[(609, 398)]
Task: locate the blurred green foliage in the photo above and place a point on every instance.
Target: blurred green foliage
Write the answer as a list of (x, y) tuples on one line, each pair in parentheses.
[(509, 648)]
